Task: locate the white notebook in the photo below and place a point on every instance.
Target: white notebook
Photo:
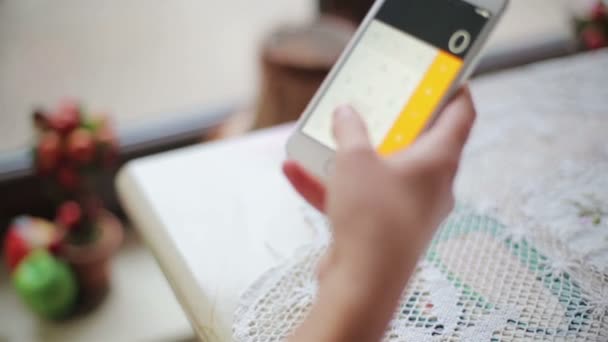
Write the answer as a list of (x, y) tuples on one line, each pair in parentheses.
[(217, 216)]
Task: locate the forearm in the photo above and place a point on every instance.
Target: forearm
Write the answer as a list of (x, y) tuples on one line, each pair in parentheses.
[(349, 308)]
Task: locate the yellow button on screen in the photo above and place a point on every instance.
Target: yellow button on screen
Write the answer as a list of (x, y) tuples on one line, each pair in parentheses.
[(422, 104)]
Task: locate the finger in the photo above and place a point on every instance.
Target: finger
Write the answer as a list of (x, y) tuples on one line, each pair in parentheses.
[(305, 184), (349, 129), (455, 122), (448, 135)]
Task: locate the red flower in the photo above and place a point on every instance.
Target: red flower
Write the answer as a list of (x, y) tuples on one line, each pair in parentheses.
[(81, 146), (594, 38), (70, 107), (599, 12), (48, 152), (62, 124), (67, 118), (69, 215)]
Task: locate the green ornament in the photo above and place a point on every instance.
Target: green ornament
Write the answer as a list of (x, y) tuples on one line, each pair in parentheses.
[(46, 284)]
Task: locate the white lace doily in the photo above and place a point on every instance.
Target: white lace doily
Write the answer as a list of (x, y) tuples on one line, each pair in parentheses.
[(477, 282), (527, 258)]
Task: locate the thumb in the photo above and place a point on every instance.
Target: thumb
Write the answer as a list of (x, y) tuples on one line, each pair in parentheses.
[(349, 129)]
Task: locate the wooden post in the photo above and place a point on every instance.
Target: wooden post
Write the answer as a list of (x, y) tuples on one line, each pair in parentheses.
[(295, 61), (353, 10)]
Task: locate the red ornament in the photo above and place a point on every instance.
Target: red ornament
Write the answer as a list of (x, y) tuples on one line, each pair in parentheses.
[(68, 178), (594, 38), (25, 235), (599, 12), (81, 146), (48, 152), (15, 248), (69, 215)]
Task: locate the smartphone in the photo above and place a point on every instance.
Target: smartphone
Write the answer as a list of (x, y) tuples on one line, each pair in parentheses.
[(405, 61)]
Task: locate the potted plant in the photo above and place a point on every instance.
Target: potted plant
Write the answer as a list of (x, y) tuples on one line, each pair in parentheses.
[(73, 152), (593, 28)]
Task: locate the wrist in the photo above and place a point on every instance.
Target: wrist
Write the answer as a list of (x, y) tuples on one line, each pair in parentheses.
[(356, 307), (369, 270)]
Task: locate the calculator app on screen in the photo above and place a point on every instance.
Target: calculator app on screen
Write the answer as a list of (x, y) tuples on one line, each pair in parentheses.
[(399, 70)]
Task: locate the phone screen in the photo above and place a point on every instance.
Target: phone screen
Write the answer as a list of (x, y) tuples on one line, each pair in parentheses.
[(400, 69)]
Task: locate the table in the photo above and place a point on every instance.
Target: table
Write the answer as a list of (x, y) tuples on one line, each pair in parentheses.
[(218, 216)]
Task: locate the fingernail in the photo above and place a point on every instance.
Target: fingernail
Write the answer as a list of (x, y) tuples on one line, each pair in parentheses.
[(343, 112)]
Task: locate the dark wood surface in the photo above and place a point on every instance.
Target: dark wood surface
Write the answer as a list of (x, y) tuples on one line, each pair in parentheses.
[(294, 63), (354, 10)]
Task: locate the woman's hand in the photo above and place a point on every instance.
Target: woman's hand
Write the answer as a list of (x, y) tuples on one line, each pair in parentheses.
[(384, 211)]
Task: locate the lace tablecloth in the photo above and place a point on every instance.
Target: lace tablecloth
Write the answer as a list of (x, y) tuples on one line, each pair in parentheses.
[(525, 254)]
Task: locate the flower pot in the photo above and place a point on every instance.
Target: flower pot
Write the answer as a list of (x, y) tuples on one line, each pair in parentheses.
[(91, 262)]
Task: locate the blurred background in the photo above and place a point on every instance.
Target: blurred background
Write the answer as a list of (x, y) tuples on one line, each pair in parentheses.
[(167, 74)]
